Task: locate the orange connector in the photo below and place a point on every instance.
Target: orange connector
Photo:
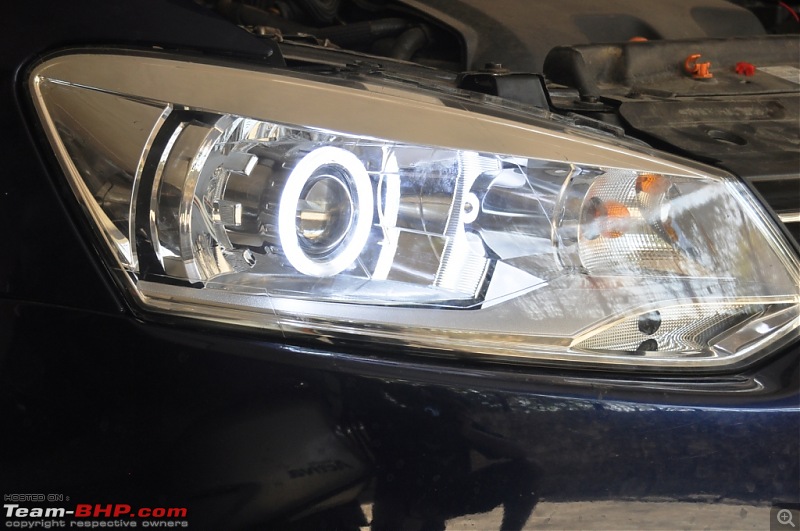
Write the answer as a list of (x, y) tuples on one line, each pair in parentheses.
[(695, 69)]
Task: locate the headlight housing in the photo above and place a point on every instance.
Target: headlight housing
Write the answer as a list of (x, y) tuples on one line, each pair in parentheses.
[(339, 209)]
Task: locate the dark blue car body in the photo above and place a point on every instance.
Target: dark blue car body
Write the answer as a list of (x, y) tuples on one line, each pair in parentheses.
[(105, 404)]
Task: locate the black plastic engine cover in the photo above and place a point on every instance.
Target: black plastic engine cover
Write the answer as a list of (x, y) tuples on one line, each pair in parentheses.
[(519, 34)]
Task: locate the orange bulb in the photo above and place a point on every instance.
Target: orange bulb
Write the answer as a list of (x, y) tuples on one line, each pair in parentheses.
[(652, 183), (670, 230), (615, 212), (606, 218)]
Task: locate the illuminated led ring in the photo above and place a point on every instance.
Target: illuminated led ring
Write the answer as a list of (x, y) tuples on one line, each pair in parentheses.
[(388, 212), (358, 183)]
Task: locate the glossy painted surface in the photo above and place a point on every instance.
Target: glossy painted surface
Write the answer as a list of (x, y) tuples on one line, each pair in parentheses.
[(112, 412), (107, 407)]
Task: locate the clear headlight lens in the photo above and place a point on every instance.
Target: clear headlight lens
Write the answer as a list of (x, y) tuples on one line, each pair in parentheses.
[(293, 203)]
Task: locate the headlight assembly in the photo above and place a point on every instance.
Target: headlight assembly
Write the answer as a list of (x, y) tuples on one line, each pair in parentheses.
[(300, 204)]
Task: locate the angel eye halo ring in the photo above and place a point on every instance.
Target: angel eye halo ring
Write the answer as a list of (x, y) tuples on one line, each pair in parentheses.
[(325, 212)]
